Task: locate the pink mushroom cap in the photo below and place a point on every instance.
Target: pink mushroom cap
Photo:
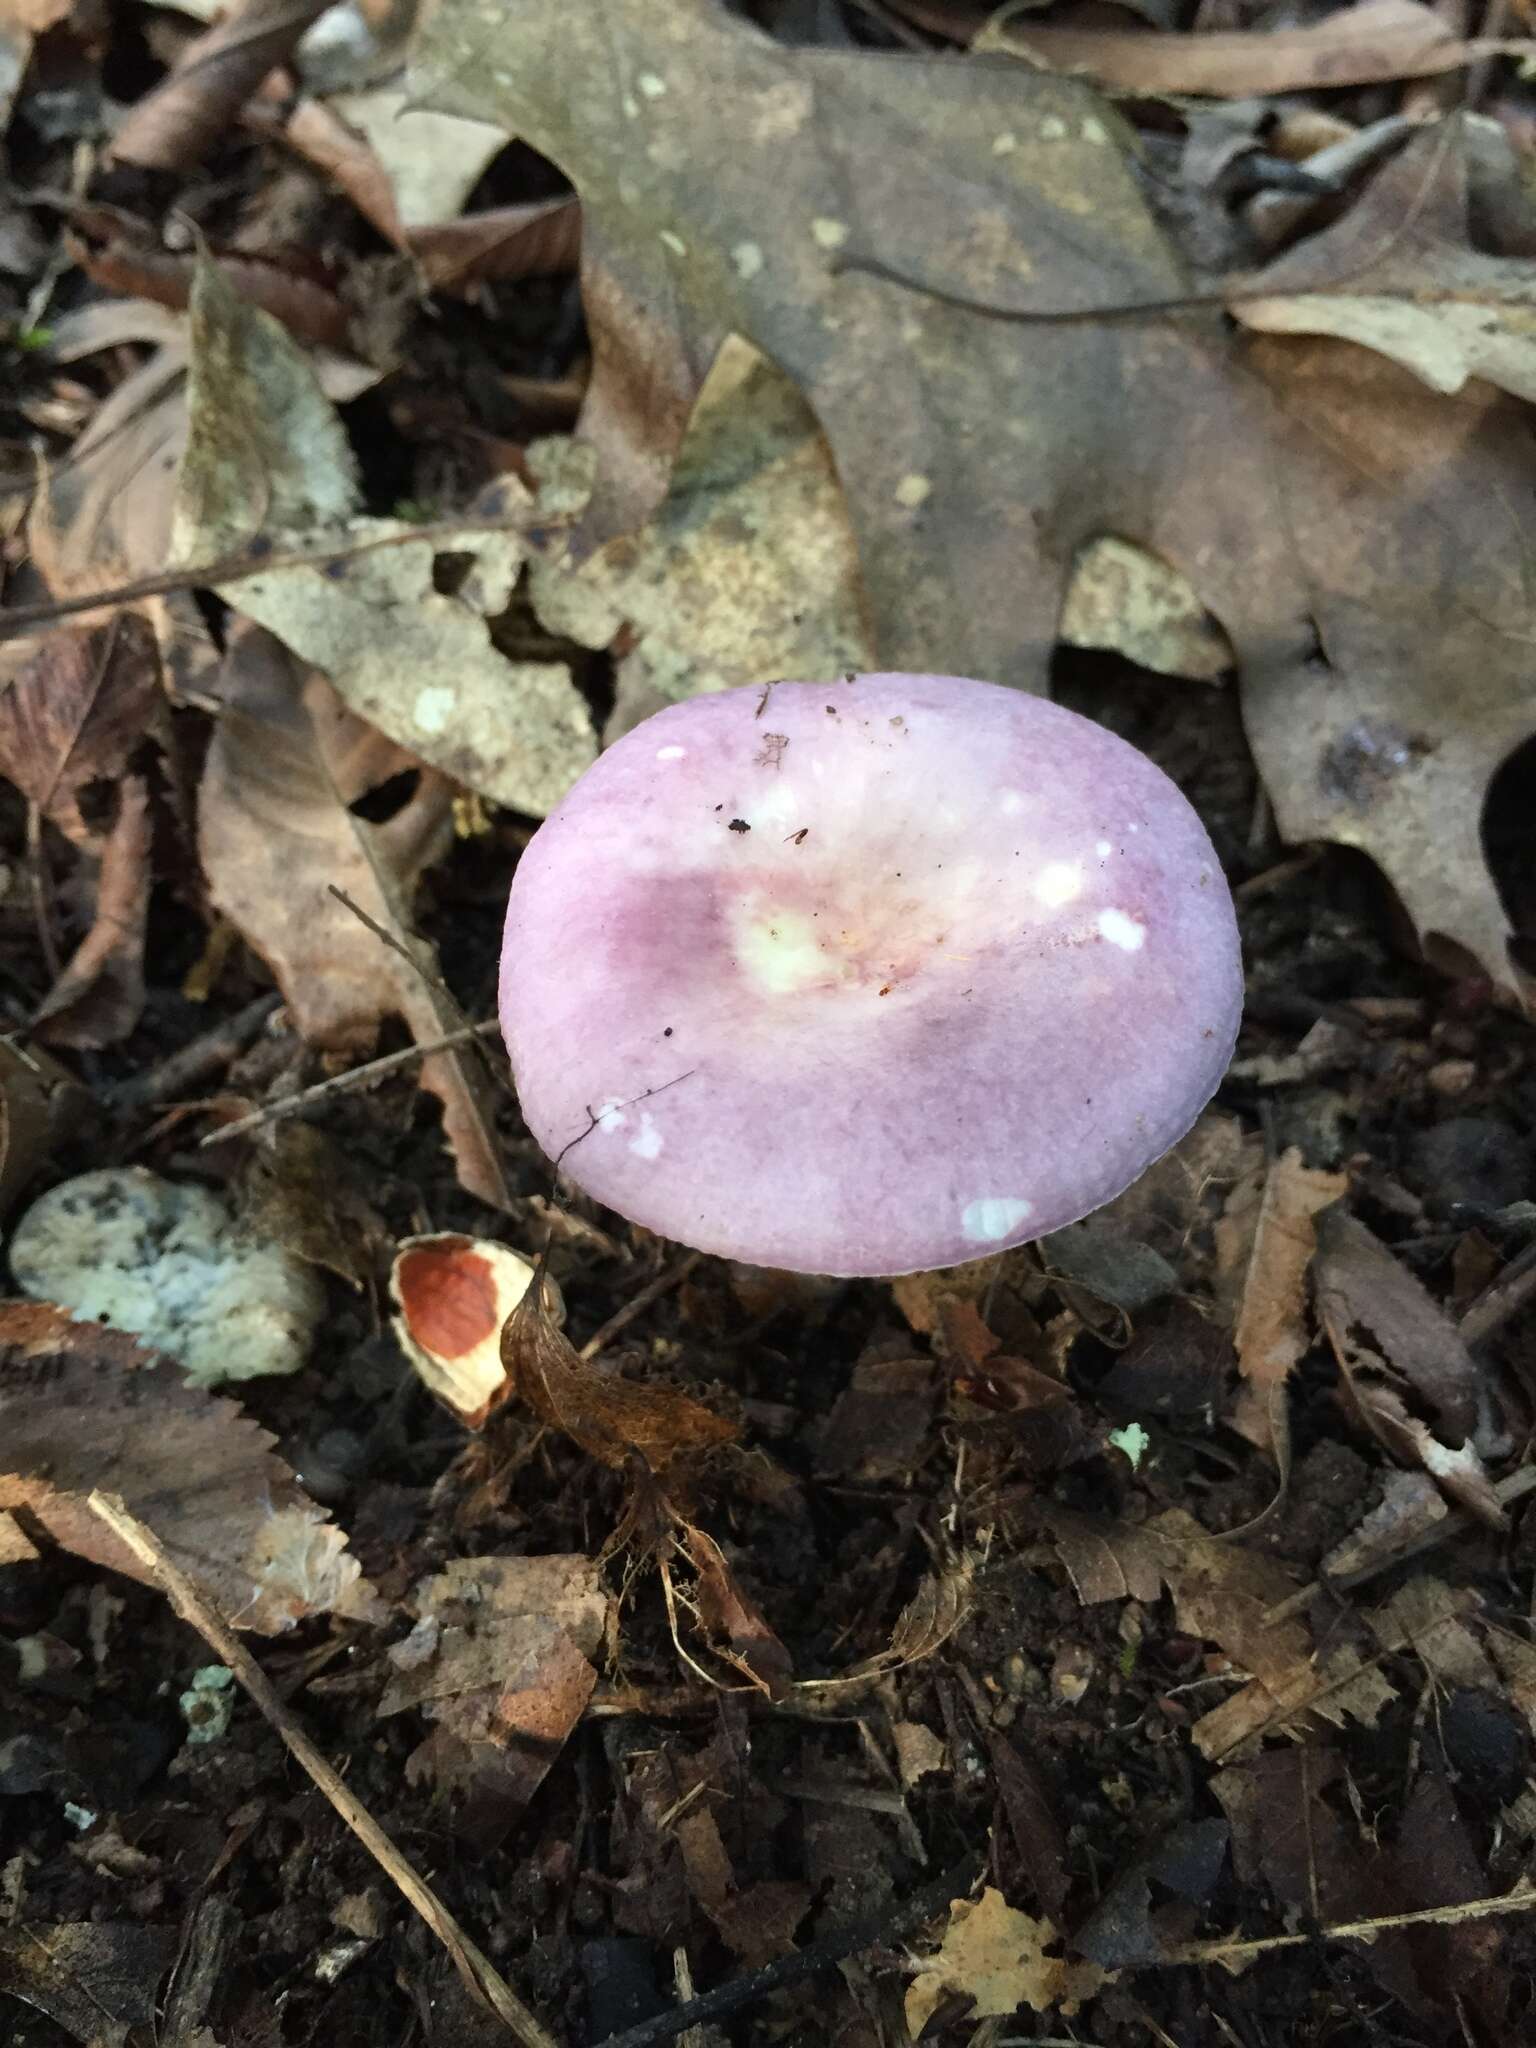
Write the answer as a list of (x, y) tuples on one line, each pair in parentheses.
[(868, 976)]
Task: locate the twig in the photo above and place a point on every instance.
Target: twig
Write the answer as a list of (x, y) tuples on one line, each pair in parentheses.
[(1521, 1900), (354, 1077), (481, 1977), (259, 561), (209, 1053), (651, 1291), (863, 1933)]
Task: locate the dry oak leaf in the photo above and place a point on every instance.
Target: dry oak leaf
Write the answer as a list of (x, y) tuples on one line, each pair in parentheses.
[(1345, 546), (85, 1409), (997, 1957)]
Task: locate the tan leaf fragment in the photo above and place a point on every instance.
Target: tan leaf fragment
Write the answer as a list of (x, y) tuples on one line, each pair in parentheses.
[(919, 1752), (1425, 1616), (499, 1662), (268, 459), (1272, 1327), (1373, 41), (83, 1408), (1333, 1688), (16, 1547), (998, 1958), (277, 836), (40, 1102)]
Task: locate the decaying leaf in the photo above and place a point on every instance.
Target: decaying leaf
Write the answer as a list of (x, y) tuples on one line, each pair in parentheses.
[(1402, 1358), (757, 1923), (1398, 274), (1272, 1330), (277, 837), (1000, 1959), (267, 461), (85, 1409), (1372, 41), (98, 1981), (611, 1418), (300, 1191), (454, 1294), (499, 1662), (1331, 514), (748, 570)]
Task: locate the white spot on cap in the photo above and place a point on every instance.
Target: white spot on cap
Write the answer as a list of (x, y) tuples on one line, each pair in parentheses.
[(829, 234), (1052, 128), (433, 708), (912, 490), (1012, 803), (1091, 130), (609, 1116), (670, 753), (1005, 144), (994, 1217), (1104, 849), (651, 85), (1133, 828), (673, 242), (647, 1144), (1061, 882), (1121, 931), (747, 259)]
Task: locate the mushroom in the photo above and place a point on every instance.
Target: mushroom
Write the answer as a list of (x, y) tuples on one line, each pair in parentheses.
[(867, 977)]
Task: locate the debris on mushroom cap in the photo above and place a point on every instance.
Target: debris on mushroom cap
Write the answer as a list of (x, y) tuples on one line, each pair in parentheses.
[(868, 976), (454, 1293)]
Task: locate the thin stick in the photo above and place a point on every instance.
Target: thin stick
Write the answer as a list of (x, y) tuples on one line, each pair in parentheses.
[(480, 1975), (1521, 1900), (208, 1053), (354, 1077), (651, 1291)]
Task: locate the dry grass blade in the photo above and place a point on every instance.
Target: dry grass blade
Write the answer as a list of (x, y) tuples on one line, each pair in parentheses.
[(479, 1973)]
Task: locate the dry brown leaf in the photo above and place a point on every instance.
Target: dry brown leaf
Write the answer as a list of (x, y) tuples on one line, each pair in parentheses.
[(170, 127), (499, 1662), (999, 1958), (99, 995), (1105, 1560), (98, 1980), (85, 1409), (758, 1923), (300, 1191), (1425, 1616), (735, 1625), (74, 716), (1346, 545), (1406, 1517), (540, 238), (612, 1419), (1398, 274), (277, 836), (1330, 1688), (1367, 44), (1272, 1327), (1402, 1359)]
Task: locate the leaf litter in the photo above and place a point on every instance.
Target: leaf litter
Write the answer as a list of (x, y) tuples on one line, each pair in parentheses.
[(863, 393)]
